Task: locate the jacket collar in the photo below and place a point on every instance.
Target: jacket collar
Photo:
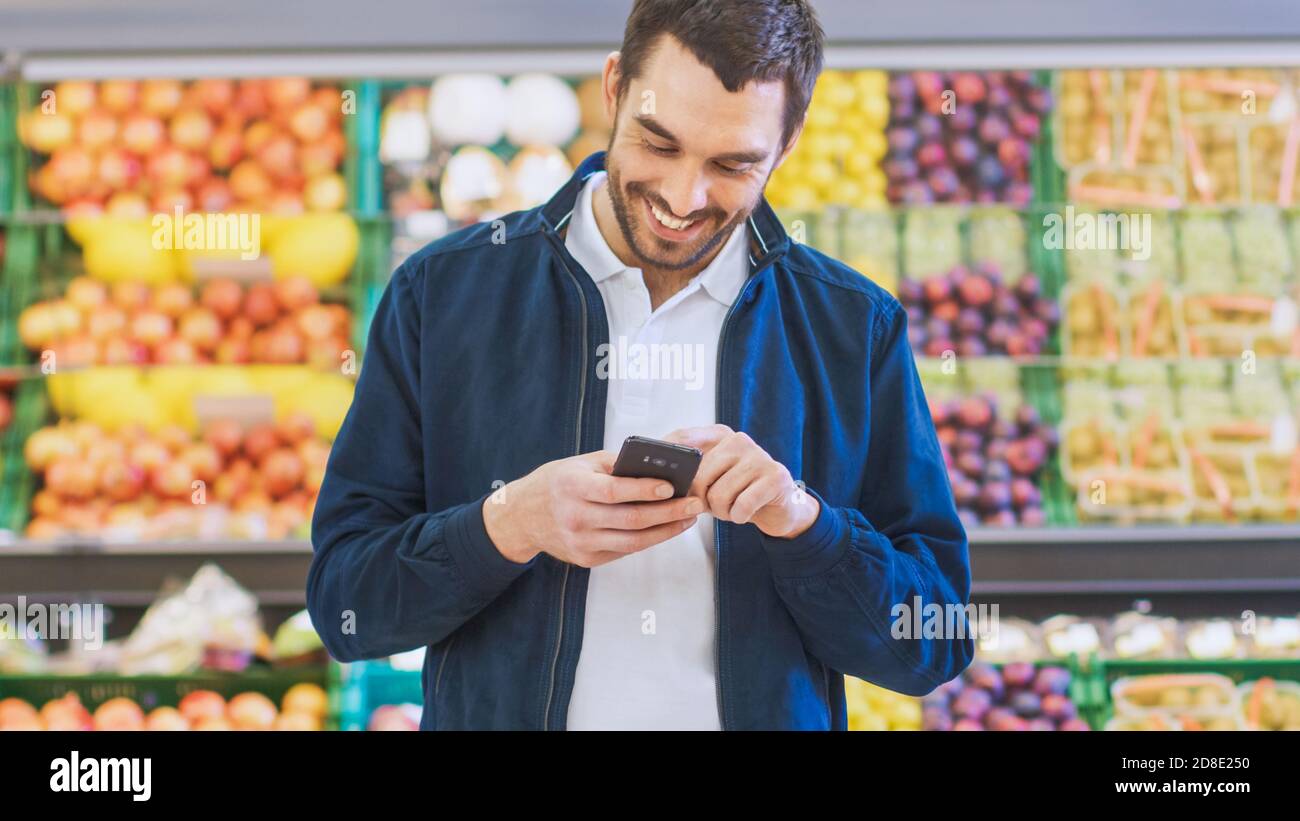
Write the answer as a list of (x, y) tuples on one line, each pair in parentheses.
[(768, 237)]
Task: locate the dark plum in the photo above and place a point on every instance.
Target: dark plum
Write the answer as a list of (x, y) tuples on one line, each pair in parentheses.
[(995, 497), (901, 86), (1018, 674), (963, 119), (989, 172), (1052, 680), (972, 703), (1026, 704), (972, 346), (928, 127), (1033, 517), (970, 321), (1024, 494), (902, 140), (993, 130), (1058, 707), (985, 677), (1028, 289), (936, 718)]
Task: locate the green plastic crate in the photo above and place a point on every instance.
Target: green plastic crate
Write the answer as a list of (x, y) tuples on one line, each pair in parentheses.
[(1105, 672), (9, 146), (17, 484), (158, 691)]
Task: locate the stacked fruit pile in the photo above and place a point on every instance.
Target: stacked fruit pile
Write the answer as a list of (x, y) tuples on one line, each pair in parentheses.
[(963, 136), (1017, 697), (259, 483), (282, 322), (975, 313), (994, 464), (874, 708), (304, 707), (132, 148), (837, 158)]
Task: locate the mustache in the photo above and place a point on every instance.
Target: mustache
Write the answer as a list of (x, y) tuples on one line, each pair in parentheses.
[(658, 202)]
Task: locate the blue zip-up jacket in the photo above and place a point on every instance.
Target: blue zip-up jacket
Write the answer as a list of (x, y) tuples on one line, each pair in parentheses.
[(481, 366)]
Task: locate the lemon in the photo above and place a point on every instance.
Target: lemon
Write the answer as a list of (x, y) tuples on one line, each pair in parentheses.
[(876, 111), (321, 247), (872, 144), (120, 250)]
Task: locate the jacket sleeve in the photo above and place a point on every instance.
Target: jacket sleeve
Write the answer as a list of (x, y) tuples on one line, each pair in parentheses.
[(387, 575), (903, 544)]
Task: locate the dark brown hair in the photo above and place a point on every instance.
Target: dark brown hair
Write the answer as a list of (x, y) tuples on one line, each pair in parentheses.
[(741, 40)]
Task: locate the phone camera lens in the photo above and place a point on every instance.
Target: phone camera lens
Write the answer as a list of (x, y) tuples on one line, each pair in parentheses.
[(660, 462)]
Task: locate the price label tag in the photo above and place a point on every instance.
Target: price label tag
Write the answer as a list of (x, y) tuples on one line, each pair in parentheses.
[(1285, 317)]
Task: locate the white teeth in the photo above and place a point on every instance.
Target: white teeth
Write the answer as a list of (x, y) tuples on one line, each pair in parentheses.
[(671, 222)]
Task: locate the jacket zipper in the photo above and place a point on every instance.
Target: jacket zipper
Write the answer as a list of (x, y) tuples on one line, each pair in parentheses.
[(577, 449)]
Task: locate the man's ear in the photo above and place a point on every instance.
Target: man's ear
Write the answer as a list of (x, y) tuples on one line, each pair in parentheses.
[(609, 86), (794, 140)]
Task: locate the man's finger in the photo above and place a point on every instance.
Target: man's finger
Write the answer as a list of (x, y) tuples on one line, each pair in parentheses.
[(633, 541), (704, 437), (712, 467), (754, 498), (612, 490), (640, 515)]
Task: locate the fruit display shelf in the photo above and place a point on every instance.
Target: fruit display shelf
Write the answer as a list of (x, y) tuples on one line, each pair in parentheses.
[(1235, 678), (1160, 138), (126, 699)]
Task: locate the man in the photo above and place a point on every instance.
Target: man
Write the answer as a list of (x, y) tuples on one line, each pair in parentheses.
[(469, 507)]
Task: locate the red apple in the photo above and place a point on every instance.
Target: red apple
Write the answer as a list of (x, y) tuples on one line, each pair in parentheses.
[(119, 96), (224, 435), (118, 714), (118, 169), (216, 95), (249, 182), (160, 97), (201, 328), (142, 134), (260, 304), (222, 297), (97, 129), (202, 704), (325, 193), (287, 92), (191, 129), (226, 148), (75, 96), (172, 479), (251, 711), (295, 292)]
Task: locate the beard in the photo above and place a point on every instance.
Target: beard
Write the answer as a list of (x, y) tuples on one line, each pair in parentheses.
[(654, 252)]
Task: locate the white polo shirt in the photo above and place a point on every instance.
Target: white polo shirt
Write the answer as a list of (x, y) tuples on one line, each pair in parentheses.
[(648, 643)]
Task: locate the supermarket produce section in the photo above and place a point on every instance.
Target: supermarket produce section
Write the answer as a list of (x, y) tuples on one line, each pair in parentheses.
[(1099, 269)]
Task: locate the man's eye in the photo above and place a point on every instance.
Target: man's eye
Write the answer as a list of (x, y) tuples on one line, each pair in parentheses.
[(654, 149), (727, 169)]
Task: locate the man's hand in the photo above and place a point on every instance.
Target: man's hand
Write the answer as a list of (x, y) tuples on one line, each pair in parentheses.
[(741, 483), (575, 510)]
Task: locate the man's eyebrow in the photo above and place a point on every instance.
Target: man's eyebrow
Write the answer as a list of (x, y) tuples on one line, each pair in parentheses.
[(654, 127)]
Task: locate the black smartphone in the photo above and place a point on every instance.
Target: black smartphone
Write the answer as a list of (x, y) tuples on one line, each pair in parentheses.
[(644, 458)]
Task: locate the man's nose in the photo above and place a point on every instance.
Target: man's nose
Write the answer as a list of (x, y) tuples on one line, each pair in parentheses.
[(686, 194)]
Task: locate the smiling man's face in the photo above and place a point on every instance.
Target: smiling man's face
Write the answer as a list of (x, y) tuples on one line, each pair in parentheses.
[(688, 159)]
